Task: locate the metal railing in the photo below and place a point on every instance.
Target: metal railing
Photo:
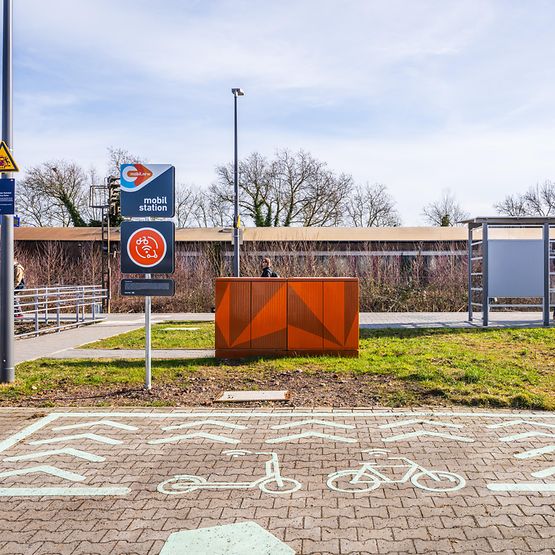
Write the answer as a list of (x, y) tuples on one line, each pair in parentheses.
[(48, 309)]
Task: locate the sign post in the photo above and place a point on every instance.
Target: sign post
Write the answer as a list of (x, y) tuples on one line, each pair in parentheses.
[(7, 164), (147, 245)]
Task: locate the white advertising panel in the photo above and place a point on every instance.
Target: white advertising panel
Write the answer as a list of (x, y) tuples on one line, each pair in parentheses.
[(515, 268)]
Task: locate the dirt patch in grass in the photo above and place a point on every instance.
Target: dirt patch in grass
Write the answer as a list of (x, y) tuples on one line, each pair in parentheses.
[(313, 389), (487, 368)]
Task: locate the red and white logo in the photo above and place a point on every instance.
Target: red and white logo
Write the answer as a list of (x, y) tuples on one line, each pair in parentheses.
[(146, 247)]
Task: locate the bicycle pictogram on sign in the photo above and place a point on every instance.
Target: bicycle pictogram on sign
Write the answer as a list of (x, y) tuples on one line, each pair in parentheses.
[(146, 247)]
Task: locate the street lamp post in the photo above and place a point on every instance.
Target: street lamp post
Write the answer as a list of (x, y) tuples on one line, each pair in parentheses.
[(236, 219)]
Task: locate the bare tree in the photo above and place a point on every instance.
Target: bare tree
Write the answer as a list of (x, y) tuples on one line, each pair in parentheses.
[(36, 209), (445, 212), (118, 156), (54, 193), (537, 201), (291, 189), (187, 199), (212, 209), (371, 206)]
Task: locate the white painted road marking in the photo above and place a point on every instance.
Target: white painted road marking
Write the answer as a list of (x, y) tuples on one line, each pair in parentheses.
[(46, 469), (228, 539), (92, 437), (536, 452), (526, 435), (412, 422), (17, 437), (544, 473), (301, 423), (517, 422), (66, 451), (531, 487), (97, 423), (424, 433), (43, 492), (270, 482), (212, 437), (203, 422), (306, 435)]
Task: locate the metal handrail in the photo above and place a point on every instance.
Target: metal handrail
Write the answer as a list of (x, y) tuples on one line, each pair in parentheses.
[(78, 304)]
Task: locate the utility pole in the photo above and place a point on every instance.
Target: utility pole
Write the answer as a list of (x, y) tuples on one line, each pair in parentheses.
[(7, 371)]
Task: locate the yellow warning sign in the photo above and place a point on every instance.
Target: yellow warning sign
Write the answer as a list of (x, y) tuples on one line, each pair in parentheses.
[(7, 163)]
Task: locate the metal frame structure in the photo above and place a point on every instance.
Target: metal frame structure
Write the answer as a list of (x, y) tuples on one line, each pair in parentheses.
[(56, 308), (99, 199), (478, 263)]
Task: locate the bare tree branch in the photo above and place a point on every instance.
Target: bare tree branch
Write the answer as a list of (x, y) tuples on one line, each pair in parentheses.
[(445, 212), (371, 206), (537, 201)]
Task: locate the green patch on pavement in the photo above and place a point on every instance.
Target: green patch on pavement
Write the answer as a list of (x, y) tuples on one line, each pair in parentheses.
[(396, 367)]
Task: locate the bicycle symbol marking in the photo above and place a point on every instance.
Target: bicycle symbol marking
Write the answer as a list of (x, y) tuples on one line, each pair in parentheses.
[(368, 477), (271, 482), (146, 247)]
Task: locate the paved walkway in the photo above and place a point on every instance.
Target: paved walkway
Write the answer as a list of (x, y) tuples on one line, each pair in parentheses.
[(64, 344), (447, 319), (53, 344), (134, 353), (321, 482)]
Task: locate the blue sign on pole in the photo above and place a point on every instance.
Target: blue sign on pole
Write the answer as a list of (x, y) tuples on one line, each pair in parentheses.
[(147, 190), (7, 196)]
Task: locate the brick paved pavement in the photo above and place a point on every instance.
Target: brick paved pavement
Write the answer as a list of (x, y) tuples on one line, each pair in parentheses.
[(491, 457)]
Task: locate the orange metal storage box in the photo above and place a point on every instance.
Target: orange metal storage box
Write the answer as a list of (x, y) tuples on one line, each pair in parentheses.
[(286, 316)]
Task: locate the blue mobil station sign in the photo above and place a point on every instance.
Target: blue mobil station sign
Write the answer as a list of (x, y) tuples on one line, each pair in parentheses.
[(147, 190), (147, 247), (7, 196)]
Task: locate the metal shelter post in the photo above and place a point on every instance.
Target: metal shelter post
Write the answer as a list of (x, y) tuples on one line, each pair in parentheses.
[(485, 276), (7, 369), (546, 276), (470, 295)]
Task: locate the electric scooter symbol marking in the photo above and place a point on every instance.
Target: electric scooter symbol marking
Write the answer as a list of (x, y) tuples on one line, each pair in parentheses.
[(368, 477), (272, 482)]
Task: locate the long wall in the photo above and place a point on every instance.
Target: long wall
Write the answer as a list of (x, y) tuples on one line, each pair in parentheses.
[(399, 268)]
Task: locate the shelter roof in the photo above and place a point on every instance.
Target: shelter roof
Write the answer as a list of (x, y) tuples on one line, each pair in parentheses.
[(510, 220)]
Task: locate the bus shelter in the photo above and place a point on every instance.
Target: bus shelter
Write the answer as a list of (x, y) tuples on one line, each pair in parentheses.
[(510, 265)]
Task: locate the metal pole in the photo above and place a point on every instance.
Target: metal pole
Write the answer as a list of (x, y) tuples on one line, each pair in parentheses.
[(546, 276), (470, 295), (236, 221), (7, 370), (485, 276), (148, 351)]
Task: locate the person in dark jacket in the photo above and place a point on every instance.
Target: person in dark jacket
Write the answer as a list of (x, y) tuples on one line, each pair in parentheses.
[(267, 269)]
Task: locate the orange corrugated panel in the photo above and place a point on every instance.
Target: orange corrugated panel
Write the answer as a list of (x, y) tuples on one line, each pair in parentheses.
[(269, 315), (334, 314), (304, 315), (233, 312), (351, 315), (341, 314)]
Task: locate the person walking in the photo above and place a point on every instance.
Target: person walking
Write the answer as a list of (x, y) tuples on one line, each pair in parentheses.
[(267, 271), (18, 285)]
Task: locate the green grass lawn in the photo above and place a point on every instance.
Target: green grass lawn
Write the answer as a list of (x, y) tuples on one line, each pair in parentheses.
[(169, 335), (495, 367)]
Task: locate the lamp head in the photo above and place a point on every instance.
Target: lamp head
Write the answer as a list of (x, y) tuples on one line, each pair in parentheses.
[(238, 92)]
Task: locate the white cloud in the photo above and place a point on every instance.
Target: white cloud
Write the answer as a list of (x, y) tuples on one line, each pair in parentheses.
[(421, 96)]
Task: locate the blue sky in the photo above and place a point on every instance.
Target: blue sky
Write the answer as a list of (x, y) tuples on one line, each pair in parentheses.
[(423, 96)]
